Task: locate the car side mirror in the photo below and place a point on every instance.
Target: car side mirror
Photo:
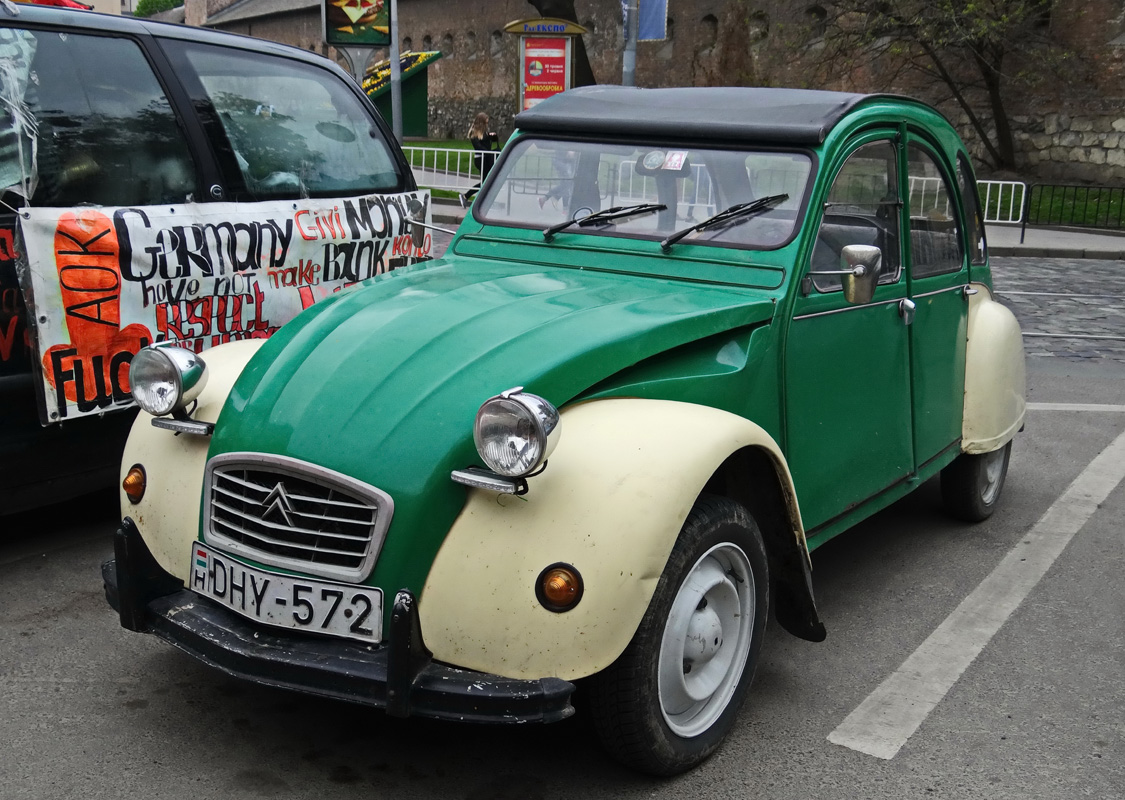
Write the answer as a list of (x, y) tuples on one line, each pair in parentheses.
[(861, 265)]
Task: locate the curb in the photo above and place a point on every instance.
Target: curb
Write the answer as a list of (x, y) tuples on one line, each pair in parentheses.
[(446, 212), (1003, 251)]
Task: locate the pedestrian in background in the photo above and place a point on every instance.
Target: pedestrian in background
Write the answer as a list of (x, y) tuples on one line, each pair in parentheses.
[(485, 144)]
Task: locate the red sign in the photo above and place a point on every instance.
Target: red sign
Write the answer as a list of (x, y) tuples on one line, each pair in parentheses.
[(544, 68)]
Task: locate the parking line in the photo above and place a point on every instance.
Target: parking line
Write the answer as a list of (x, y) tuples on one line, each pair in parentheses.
[(890, 715)]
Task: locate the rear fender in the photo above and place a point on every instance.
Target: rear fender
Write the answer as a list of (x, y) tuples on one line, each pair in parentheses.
[(611, 503), (995, 381)]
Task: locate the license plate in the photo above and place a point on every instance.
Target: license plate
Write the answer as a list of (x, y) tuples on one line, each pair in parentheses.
[(286, 601)]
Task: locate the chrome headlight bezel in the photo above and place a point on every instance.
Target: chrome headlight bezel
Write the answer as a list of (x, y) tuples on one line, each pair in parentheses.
[(182, 372), (540, 431)]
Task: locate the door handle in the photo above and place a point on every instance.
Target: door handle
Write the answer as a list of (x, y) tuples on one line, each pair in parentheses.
[(967, 291), (906, 311)]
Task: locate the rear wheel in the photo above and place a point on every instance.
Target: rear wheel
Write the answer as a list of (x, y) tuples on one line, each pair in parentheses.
[(668, 702), (971, 485)]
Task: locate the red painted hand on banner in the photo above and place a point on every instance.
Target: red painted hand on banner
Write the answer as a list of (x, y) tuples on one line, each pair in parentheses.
[(93, 370)]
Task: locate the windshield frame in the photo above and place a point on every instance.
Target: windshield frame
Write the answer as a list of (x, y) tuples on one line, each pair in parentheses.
[(494, 182)]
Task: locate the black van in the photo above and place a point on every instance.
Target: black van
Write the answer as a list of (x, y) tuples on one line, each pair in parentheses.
[(127, 112)]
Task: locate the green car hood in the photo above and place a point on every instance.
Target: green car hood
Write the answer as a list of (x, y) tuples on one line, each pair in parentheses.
[(382, 382)]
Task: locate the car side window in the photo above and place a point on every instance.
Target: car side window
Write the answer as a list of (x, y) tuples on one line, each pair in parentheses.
[(295, 129), (935, 237), (862, 208), (974, 218), (103, 130)]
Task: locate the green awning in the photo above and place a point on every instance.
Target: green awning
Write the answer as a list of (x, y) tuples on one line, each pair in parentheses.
[(378, 77)]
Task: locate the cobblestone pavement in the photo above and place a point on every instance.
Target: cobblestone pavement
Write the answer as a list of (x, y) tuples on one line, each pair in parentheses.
[(1075, 300)]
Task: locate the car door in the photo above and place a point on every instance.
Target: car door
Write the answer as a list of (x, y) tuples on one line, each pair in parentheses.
[(848, 427), (938, 274)]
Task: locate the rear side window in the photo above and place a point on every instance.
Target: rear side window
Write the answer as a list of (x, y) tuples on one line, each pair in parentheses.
[(935, 238), (974, 220), (293, 129), (86, 121)]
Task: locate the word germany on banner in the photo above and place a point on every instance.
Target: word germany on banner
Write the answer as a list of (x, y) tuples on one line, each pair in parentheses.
[(103, 282)]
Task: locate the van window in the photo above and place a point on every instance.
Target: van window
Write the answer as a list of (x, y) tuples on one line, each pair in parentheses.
[(84, 120), (295, 130)]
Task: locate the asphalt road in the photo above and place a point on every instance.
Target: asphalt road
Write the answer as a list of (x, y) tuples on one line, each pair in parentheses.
[(89, 710)]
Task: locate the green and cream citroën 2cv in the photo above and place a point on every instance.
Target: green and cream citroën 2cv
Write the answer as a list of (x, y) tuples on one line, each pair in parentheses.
[(684, 337)]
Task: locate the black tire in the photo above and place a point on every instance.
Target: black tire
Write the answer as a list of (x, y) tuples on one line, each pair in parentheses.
[(659, 727), (971, 485)]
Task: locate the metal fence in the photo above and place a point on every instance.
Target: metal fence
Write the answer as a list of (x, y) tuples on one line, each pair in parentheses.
[(452, 169), (1074, 206)]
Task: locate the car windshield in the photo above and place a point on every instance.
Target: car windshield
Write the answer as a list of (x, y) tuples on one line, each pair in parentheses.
[(542, 183)]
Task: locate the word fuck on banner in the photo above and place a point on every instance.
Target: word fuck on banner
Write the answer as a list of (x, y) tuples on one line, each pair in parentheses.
[(103, 282)]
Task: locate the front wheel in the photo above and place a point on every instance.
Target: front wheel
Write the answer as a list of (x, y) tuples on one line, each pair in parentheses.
[(971, 485), (671, 698)]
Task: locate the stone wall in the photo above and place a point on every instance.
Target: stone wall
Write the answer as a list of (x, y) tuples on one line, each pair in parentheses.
[(747, 43), (1063, 148)]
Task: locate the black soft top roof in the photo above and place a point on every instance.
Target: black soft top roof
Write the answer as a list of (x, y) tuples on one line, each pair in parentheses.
[(792, 116)]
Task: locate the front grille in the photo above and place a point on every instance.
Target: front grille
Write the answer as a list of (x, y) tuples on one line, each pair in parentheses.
[(291, 514)]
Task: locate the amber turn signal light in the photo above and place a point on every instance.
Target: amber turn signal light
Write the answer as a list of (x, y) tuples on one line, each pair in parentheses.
[(559, 588), (135, 483)]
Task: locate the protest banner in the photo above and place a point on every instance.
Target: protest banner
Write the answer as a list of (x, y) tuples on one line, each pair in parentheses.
[(100, 283)]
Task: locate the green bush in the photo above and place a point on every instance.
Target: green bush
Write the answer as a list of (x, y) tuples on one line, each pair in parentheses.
[(146, 8)]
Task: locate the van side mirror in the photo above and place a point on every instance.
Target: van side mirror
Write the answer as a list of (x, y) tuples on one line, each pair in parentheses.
[(416, 222), (416, 215)]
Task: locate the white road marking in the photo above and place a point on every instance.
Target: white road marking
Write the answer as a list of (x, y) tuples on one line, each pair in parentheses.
[(1075, 407), (890, 715), (1031, 334)]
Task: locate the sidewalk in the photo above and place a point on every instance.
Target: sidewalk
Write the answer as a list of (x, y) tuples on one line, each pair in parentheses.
[(1003, 240)]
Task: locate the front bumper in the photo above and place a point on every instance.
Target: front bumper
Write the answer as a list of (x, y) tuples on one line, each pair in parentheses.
[(397, 675)]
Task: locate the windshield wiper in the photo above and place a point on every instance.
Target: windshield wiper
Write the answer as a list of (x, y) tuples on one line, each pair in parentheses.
[(739, 212), (609, 214)]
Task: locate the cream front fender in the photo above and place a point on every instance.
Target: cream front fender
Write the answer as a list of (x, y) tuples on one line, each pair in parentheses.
[(995, 382), (611, 503), (168, 514)]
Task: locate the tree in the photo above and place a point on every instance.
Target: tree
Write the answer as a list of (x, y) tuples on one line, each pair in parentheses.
[(979, 52), (146, 8)]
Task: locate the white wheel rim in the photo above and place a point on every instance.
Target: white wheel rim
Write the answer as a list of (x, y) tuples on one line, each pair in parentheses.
[(706, 640), (992, 472)]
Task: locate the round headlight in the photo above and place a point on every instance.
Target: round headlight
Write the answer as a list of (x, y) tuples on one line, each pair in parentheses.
[(166, 379), (515, 432)]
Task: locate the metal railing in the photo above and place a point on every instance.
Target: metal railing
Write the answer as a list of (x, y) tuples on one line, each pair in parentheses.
[(1074, 206), (442, 167), (1002, 201), (452, 169)]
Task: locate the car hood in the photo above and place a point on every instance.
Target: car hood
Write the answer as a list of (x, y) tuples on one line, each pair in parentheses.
[(383, 381)]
